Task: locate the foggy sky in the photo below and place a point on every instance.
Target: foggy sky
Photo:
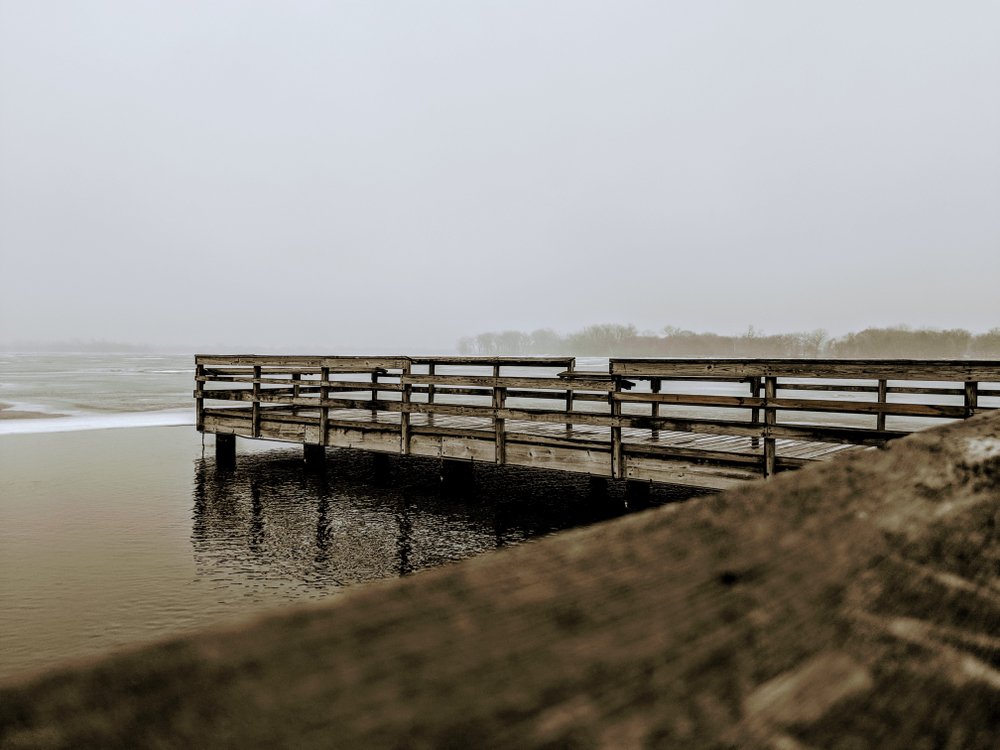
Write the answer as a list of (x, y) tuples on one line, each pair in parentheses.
[(399, 174)]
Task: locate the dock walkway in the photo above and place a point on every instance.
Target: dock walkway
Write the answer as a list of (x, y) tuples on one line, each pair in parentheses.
[(710, 423)]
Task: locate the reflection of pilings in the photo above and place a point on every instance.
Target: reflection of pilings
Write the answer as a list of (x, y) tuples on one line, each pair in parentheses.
[(275, 521), (256, 520), (636, 494), (200, 501), (315, 456), (404, 542), (599, 499), (456, 474), (380, 468), (323, 529), (225, 451), (598, 487)]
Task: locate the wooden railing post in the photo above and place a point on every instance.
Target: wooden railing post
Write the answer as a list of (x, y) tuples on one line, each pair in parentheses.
[(770, 419), (617, 454), (324, 411), (499, 425), (654, 411), (255, 414), (404, 416), (569, 399), (971, 397), (375, 395), (199, 403), (430, 392), (296, 392), (883, 389), (755, 412)]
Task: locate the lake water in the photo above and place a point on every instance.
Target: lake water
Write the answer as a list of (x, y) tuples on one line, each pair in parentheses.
[(116, 528)]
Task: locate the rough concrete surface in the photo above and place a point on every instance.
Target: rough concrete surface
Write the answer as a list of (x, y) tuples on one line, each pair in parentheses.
[(853, 604)]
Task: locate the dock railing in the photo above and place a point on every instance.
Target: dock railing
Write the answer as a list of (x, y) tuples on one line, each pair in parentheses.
[(669, 420)]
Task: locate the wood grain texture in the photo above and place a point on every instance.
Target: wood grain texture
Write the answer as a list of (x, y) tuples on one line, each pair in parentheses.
[(959, 370)]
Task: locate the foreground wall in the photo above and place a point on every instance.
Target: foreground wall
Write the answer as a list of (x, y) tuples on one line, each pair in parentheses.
[(852, 604)]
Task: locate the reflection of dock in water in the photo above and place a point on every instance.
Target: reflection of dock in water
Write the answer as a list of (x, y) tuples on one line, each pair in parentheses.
[(272, 525), (709, 423)]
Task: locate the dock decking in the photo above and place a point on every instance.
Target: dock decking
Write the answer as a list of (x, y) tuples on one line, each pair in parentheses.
[(709, 423)]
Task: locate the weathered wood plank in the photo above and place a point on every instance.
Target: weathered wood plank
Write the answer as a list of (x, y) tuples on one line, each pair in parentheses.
[(644, 468), (565, 459), (336, 364), (228, 424), (958, 370), (453, 432), (560, 442), (750, 461), (512, 393), (364, 439), (444, 446), (788, 404), (307, 385), (293, 432), (509, 382), (490, 361)]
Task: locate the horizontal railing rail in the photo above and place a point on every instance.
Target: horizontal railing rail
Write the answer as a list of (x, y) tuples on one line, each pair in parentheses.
[(642, 396)]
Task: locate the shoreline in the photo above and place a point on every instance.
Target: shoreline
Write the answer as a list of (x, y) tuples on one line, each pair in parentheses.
[(22, 422), (8, 412)]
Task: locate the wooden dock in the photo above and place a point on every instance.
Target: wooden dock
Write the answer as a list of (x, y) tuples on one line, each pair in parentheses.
[(709, 423)]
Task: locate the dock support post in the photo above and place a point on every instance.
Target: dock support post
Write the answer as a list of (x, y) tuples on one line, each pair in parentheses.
[(456, 474), (199, 403), (225, 451), (755, 412), (380, 468), (598, 488), (636, 494), (255, 414), (314, 455), (770, 418), (617, 452), (971, 398), (654, 411), (430, 393), (499, 425), (882, 391), (324, 411), (404, 416), (569, 398)]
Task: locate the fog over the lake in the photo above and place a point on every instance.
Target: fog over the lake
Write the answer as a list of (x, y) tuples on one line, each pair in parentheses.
[(396, 175)]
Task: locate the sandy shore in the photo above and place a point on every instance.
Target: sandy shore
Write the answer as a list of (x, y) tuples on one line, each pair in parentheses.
[(6, 412)]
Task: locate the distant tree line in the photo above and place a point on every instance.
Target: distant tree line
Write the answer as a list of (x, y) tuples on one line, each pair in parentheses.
[(613, 340)]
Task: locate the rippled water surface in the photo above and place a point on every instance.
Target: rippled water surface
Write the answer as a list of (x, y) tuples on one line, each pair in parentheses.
[(113, 537)]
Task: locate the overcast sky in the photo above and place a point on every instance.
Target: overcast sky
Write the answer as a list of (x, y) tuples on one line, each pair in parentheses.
[(399, 174)]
